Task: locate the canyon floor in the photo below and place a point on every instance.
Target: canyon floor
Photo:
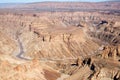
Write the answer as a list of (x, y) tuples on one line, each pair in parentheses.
[(60, 41)]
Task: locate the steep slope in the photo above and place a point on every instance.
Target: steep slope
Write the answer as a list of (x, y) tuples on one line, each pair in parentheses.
[(32, 70), (64, 45), (37, 39), (7, 45)]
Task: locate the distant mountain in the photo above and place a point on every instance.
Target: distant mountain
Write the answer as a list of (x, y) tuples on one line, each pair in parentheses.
[(71, 6), (64, 6), (9, 5)]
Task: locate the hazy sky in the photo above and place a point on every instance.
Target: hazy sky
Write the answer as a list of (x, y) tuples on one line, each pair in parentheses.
[(25, 1)]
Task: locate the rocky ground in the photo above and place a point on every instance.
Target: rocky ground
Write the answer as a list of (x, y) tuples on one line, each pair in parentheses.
[(62, 45)]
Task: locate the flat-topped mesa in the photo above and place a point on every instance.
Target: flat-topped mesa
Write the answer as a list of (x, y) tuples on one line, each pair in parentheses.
[(57, 35), (81, 41), (60, 45)]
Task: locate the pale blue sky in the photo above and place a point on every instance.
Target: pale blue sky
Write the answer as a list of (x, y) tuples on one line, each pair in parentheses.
[(26, 1)]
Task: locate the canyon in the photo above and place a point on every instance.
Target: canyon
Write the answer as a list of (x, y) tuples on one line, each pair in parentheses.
[(60, 41)]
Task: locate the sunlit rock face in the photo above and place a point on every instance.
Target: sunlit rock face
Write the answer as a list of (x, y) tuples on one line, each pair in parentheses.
[(44, 38), (61, 44)]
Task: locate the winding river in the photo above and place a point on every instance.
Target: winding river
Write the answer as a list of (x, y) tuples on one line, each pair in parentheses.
[(21, 49)]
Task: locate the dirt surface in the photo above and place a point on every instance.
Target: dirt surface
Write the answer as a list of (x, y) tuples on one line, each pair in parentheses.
[(62, 43)]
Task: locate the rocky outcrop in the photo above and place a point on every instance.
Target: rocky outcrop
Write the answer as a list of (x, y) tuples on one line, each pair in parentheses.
[(94, 69), (27, 70), (107, 74), (107, 33), (110, 51), (81, 45)]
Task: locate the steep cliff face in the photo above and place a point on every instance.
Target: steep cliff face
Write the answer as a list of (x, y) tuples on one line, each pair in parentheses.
[(78, 45), (108, 32), (105, 65), (37, 39), (60, 45)]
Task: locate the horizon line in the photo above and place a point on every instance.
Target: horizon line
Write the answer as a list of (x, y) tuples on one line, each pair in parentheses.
[(56, 1)]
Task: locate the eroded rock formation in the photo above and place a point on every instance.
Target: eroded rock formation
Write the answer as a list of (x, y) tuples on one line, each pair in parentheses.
[(75, 45)]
